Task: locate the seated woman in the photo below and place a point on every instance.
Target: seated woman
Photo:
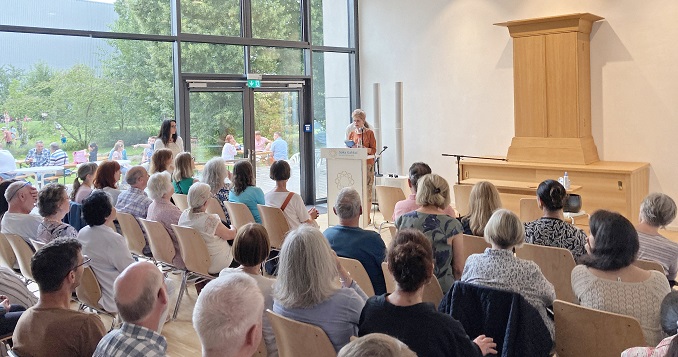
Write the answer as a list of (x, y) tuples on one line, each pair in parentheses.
[(161, 160), (215, 233), (498, 268), (250, 248), (244, 191), (376, 345), (230, 148), (215, 174), (668, 347), (290, 203), (550, 230), (483, 200), (444, 232), (405, 316), (657, 211), (107, 249), (306, 290), (53, 205), (161, 210), (106, 179), (609, 281), (86, 174), (116, 154), (182, 177)]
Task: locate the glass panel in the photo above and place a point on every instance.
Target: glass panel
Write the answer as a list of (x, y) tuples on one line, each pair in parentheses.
[(78, 90), (277, 112), (211, 58), (273, 60), (214, 116), (131, 16), (276, 19), (211, 17), (331, 108), (329, 23)]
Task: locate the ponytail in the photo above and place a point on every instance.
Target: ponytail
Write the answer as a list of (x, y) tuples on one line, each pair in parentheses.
[(76, 186)]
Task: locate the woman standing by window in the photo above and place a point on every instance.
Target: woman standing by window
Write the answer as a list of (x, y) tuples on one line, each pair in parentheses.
[(168, 138)]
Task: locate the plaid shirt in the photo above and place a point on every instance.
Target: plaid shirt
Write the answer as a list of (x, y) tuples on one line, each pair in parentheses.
[(40, 159), (58, 158), (131, 341), (133, 201)]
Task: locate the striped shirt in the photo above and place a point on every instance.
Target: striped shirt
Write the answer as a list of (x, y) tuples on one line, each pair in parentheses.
[(661, 250), (58, 158), (15, 289), (131, 341)]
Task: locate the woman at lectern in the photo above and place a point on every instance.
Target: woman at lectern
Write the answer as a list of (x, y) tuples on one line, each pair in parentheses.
[(363, 137)]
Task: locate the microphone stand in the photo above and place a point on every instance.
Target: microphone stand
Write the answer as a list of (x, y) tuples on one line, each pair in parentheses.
[(377, 172), (459, 157)]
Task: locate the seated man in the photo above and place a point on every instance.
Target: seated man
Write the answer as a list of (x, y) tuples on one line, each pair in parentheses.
[(142, 301), (260, 141), (348, 240), (7, 164), (57, 157), (52, 328), (417, 171), (134, 200), (38, 156), (227, 316), (278, 148), (21, 198)]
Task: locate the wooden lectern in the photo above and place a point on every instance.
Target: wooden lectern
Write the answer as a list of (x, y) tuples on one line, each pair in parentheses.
[(346, 167)]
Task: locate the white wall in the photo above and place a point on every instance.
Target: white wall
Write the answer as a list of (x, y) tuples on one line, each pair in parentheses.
[(457, 70)]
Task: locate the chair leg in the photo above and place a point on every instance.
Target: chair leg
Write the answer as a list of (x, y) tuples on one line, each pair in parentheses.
[(184, 276), (381, 225)]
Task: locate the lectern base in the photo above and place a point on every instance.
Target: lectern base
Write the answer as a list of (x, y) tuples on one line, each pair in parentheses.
[(580, 151)]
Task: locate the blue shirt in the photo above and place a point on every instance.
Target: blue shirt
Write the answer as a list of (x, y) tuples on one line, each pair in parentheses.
[(362, 245), (124, 154), (251, 197), (40, 159), (279, 148)]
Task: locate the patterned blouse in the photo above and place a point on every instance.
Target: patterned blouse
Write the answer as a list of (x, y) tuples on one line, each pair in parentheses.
[(222, 196), (500, 269), (50, 230), (554, 232)]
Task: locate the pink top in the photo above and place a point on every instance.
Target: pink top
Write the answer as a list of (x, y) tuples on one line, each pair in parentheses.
[(163, 211), (410, 204), (260, 144)]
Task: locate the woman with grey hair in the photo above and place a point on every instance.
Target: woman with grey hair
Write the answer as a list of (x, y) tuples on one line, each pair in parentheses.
[(53, 205), (160, 190), (498, 268), (306, 288), (657, 211), (215, 234), (376, 345), (215, 174)]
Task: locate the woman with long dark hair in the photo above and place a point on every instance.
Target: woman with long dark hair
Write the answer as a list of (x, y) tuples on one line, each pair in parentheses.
[(168, 138), (244, 191)]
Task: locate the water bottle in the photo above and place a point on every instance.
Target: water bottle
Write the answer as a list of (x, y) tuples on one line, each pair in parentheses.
[(566, 181)]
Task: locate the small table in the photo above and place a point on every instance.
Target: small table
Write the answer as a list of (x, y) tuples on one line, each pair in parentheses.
[(40, 172)]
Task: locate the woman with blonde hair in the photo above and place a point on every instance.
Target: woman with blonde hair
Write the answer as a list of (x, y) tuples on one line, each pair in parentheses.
[(215, 174), (161, 160), (484, 200), (182, 177), (363, 137), (444, 232), (86, 175), (306, 288)]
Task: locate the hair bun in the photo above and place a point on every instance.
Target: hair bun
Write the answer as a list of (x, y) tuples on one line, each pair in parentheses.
[(437, 190)]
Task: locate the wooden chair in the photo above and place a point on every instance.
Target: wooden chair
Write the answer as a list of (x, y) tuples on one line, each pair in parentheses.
[(296, 338), (196, 258), (556, 264), (23, 253), (275, 223), (37, 244), (7, 257), (180, 201), (393, 230), (160, 242), (358, 273), (473, 245), (529, 210), (89, 294), (388, 196), (649, 265), (580, 331), (132, 233), (461, 198), (388, 278), (213, 207), (433, 292), (239, 213)]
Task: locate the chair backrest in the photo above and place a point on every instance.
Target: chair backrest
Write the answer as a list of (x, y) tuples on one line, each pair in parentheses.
[(433, 292), (239, 214), (555, 263), (358, 273), (89, 290), (7, 257), (213, 207), (275, 223), (296, 338), (393, 230), (159, 241), (649, 265), (180, 201), (193, 249), (580, 330), (461, 198), (529, 211), (132, 233), (23, 254), (37, 244), (472, 245), (388, 278), (388, 196)]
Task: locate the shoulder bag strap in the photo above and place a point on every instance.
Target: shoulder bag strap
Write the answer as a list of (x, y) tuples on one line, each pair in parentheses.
[(287, 200)]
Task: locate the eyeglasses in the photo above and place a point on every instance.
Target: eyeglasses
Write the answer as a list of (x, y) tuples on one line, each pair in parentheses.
[(85, 262), (193, 158), (20, 188), (173, 126)]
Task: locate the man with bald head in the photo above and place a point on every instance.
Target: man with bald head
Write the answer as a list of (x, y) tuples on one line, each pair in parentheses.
[(21, 198), (134, 200), (141, 298)]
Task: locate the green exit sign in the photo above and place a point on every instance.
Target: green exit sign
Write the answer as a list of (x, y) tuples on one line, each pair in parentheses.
[(253, 83)]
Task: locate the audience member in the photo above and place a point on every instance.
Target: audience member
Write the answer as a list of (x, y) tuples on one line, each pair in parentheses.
[(499, 268), (305, 290), (291, 204), (657, 211), (417, 171), (168, 138), (230, 148), (444, 232), (162, 210), (483, 200), (550, 230), (7, 164), (376, 345), (107, 249), (609, 281), (9, 315), (405, 316), (182, 177), (106, 179), (227, 316), (278, 147), (118, 152), (52, 328), (38, 156), (53, 205), (15, 289), (668, 347), (21, 197), (348, 240), (215, 174), (244, 191), (142, 301), (4, 206), (93, 152), (86, 174), (57, 156), (162, 160), (134, 200), (260, 141), (212, 230), (250, 248)]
